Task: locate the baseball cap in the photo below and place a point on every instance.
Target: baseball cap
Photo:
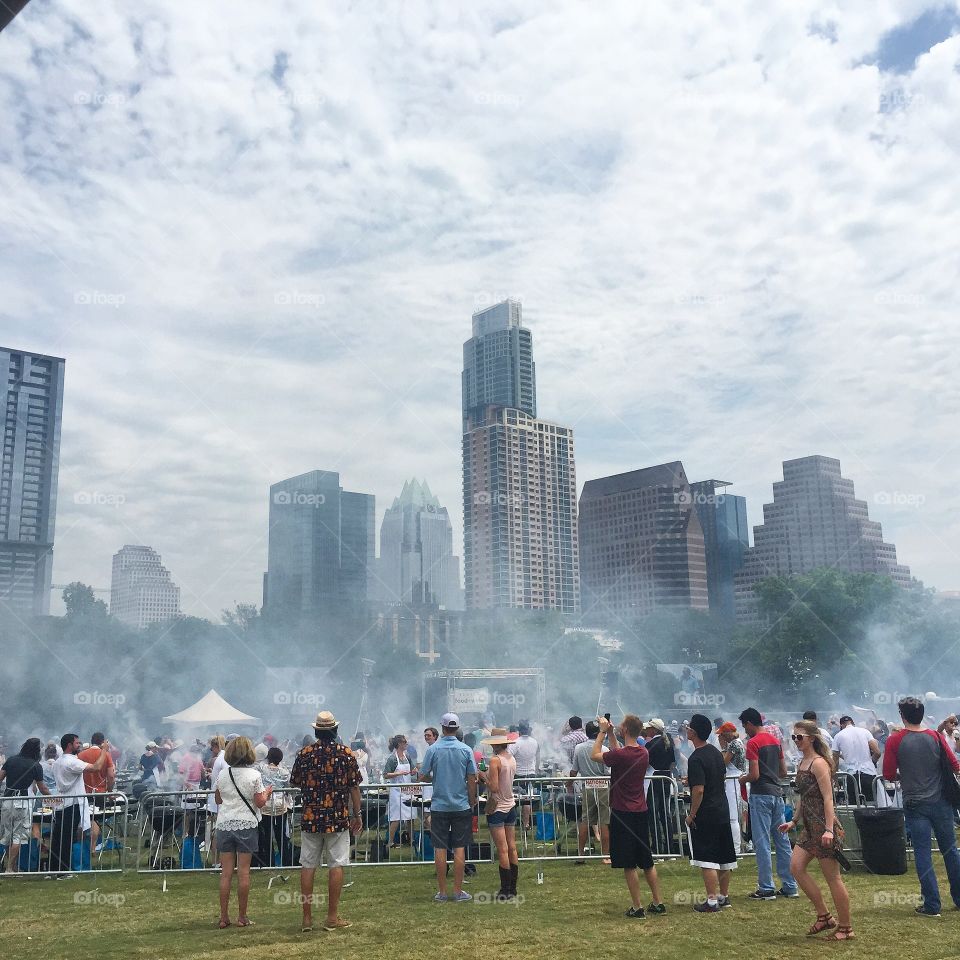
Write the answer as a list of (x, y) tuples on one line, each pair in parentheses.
[(450, 720)]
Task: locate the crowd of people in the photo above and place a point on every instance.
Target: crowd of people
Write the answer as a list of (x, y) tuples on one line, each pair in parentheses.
[(625, 773)]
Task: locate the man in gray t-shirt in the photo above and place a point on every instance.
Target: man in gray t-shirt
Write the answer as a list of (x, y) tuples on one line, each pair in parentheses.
[(916, 753), (594, 791)]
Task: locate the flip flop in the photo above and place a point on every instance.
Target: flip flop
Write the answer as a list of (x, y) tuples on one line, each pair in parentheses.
[(223, 924), (338, 924), (244, 923), (306, 929)]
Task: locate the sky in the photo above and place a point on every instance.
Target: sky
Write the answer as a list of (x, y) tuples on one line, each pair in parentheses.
[(257, 233)]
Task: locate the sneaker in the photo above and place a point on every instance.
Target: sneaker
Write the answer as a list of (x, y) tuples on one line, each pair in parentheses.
[(789, 894), (636, 913), (924, 912), (440, 898), (657, 908), (763, 895), (462, 897), (707, 907), (724, 902)]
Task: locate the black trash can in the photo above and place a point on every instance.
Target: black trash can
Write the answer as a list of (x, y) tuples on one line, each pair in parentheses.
[(883, 840)]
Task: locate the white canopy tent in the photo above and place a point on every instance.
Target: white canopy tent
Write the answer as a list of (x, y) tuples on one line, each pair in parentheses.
[(210, 710)]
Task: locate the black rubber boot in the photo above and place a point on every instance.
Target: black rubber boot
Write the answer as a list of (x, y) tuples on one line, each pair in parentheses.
[(504, 892), (514, 873)]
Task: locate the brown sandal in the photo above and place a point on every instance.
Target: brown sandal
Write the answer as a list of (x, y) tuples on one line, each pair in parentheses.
[(840, 934), (824, 921)]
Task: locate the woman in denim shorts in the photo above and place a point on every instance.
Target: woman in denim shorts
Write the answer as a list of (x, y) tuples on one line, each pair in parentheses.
[(502, 811), (240, 795)]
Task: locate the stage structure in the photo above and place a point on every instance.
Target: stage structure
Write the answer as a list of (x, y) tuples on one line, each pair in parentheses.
[(508, 693)]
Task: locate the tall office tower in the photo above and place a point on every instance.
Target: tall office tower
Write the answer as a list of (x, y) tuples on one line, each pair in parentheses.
[(417, 564), (498, 367), (641, 545), (32, 408), (520, 514), (321, 546), (726, 537), (141, 590), (814, 521), (519, 477)]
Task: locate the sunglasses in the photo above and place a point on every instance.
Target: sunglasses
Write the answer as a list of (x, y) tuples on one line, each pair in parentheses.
[(797, 737)]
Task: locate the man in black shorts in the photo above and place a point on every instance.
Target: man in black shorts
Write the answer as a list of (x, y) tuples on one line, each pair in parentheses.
[(449, 765), (629, 827), (708, 823)]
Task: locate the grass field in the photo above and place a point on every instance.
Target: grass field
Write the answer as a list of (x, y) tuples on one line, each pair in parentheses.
[(576, 912)]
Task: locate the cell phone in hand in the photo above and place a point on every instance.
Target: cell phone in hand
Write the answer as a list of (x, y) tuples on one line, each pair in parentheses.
[(606, 717)]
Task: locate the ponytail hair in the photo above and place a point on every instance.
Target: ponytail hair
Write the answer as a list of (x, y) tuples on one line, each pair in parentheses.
[(816, 738)]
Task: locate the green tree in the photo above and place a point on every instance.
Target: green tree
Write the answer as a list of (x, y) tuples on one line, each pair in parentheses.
[(80, 601)]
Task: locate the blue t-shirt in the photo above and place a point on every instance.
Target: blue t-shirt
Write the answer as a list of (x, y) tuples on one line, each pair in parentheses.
[(450, 762)]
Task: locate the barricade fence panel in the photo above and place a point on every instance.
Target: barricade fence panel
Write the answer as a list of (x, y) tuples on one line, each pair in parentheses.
[(42, 834), (558, 818)]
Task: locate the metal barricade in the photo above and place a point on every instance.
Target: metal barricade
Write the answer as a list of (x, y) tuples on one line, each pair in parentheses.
[(176, 831), (64, 835)]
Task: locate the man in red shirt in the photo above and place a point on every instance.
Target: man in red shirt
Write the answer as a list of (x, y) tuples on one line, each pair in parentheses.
[(629, 827), (97, 781), (921, 756)]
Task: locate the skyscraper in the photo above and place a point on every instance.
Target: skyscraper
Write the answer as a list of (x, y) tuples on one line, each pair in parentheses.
[(417, 564), (141, 589), (519, 476), (726, 536), (814, 521), (33, 404), (498, 367), (321, 546), (641, 545)]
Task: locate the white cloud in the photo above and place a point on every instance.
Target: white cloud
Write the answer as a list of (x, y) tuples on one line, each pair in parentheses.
[(730, 234)]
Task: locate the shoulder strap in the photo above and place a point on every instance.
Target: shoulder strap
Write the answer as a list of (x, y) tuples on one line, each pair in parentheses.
[(242, 797)]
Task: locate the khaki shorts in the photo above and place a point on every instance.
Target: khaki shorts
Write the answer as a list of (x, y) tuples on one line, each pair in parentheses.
[(15, 824), (596, 806), (335, 847)]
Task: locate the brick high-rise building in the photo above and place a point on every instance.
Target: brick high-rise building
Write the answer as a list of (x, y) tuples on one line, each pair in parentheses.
[(520, 514), (32, 389), (814, 521), (641, 545), (141, 589), (519, 477)]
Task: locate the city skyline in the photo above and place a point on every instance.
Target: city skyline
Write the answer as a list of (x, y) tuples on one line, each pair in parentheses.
[(731, 266)]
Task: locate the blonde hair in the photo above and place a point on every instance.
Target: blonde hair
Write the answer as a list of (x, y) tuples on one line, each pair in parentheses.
[(816, 738), (218, 741), (240, 753)]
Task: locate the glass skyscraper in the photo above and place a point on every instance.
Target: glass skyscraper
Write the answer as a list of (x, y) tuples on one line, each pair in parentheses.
[(498, 367), (32, 407), (726, 537), (321, 546), (417, 564)]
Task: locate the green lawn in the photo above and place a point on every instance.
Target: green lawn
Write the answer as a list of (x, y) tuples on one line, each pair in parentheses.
[(576, 912)]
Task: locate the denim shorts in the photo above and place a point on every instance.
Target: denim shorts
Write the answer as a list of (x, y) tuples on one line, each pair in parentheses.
[(499, 819), (238, 841)]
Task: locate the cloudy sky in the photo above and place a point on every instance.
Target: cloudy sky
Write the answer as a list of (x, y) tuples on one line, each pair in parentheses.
[(257, 233)]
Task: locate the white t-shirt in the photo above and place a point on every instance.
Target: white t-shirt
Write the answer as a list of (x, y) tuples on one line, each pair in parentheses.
[(826, 736), (234, 814), (68, 772), (524, 751), (219, 765), (853, 745)]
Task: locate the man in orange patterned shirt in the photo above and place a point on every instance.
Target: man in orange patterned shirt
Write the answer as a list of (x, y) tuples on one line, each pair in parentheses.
[(328, 776)]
